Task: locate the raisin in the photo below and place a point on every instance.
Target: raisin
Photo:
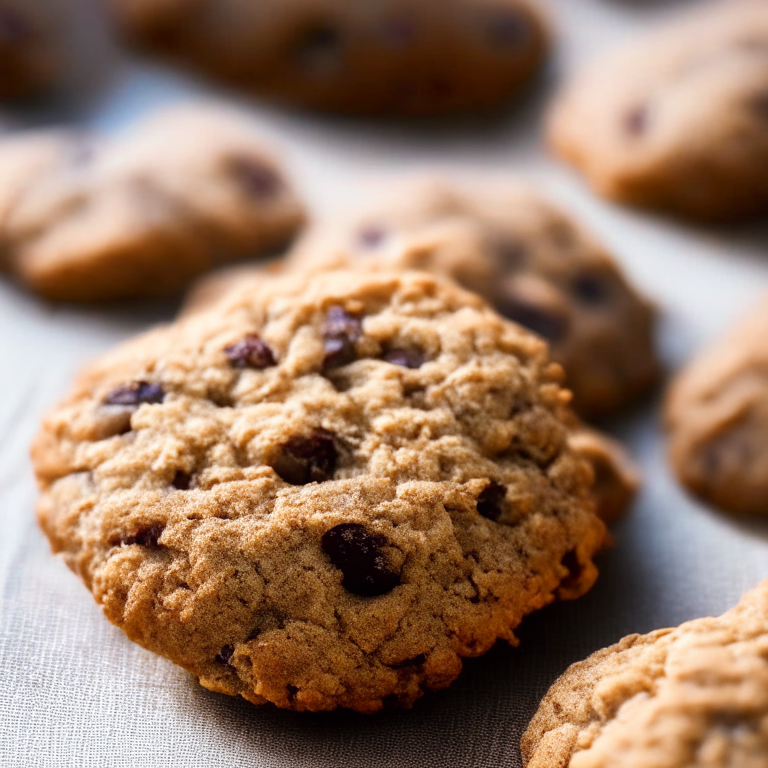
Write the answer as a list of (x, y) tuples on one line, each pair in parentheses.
[(341, 332), (250, 352), (490, 502), (310, 459), (135, 393), (358, 554)]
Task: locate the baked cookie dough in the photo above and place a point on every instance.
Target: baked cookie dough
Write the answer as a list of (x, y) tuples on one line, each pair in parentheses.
[(324, 491), (691, 697), (30, 54), (523, 255), (405, 57), (677, 121), (717, 419), (90, 218), (617, 478)]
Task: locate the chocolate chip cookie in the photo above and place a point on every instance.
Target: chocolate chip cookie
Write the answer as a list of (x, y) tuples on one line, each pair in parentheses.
[(406, 57), (717, 419), (678, 121), (532, 262), (692, 696), (30, 54), (324, 491), (91, 218)]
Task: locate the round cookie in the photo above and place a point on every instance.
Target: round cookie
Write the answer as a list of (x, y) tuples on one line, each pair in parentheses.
[(677, 121), (88, 218), (403, 57), (522, 254), (29, 48), (717, 419), (325, 491), (691, 697)]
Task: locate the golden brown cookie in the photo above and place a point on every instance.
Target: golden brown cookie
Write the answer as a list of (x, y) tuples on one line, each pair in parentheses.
[(88, 218), (323, 492), (717, 419), (406, 57), (678, 120), (521, 253), (617, 478), (691, 697)]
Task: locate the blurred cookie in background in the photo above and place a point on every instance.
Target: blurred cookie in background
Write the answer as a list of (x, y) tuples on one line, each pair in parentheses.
[(693, 696), (522, 254), (717, 419), (400, 57), (96, 218), (30, 47), (679, 120)]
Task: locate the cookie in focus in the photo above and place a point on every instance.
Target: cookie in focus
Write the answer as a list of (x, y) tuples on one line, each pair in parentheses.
[(324, 491)]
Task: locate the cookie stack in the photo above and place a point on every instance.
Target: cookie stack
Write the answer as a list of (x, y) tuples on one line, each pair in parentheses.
[(340, 473)]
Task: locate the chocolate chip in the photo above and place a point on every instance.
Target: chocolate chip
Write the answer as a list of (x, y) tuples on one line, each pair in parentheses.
[(636, 121), (319, 50), (310, 459), (340, 333), (507, 29), (135, 393), (490, 502), (182, 481), (406, 358), (358, 555), (144, 537), (371, 236), (257, 179), (548, 324), (250, 352), (591, 288), (224, 656)]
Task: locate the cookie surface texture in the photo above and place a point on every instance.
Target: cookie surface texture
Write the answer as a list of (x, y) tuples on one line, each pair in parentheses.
[(406, 57), (88, 218), (534, 263), (717, 419), (627, 121), (325, 491), (691, 697)]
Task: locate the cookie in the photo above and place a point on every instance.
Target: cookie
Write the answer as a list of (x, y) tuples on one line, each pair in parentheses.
[(717, 420), (324, 491), (617, 478), (534, 263), (30, 55), (90, 218), (627, 123), (694, 696), (401, 57)]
